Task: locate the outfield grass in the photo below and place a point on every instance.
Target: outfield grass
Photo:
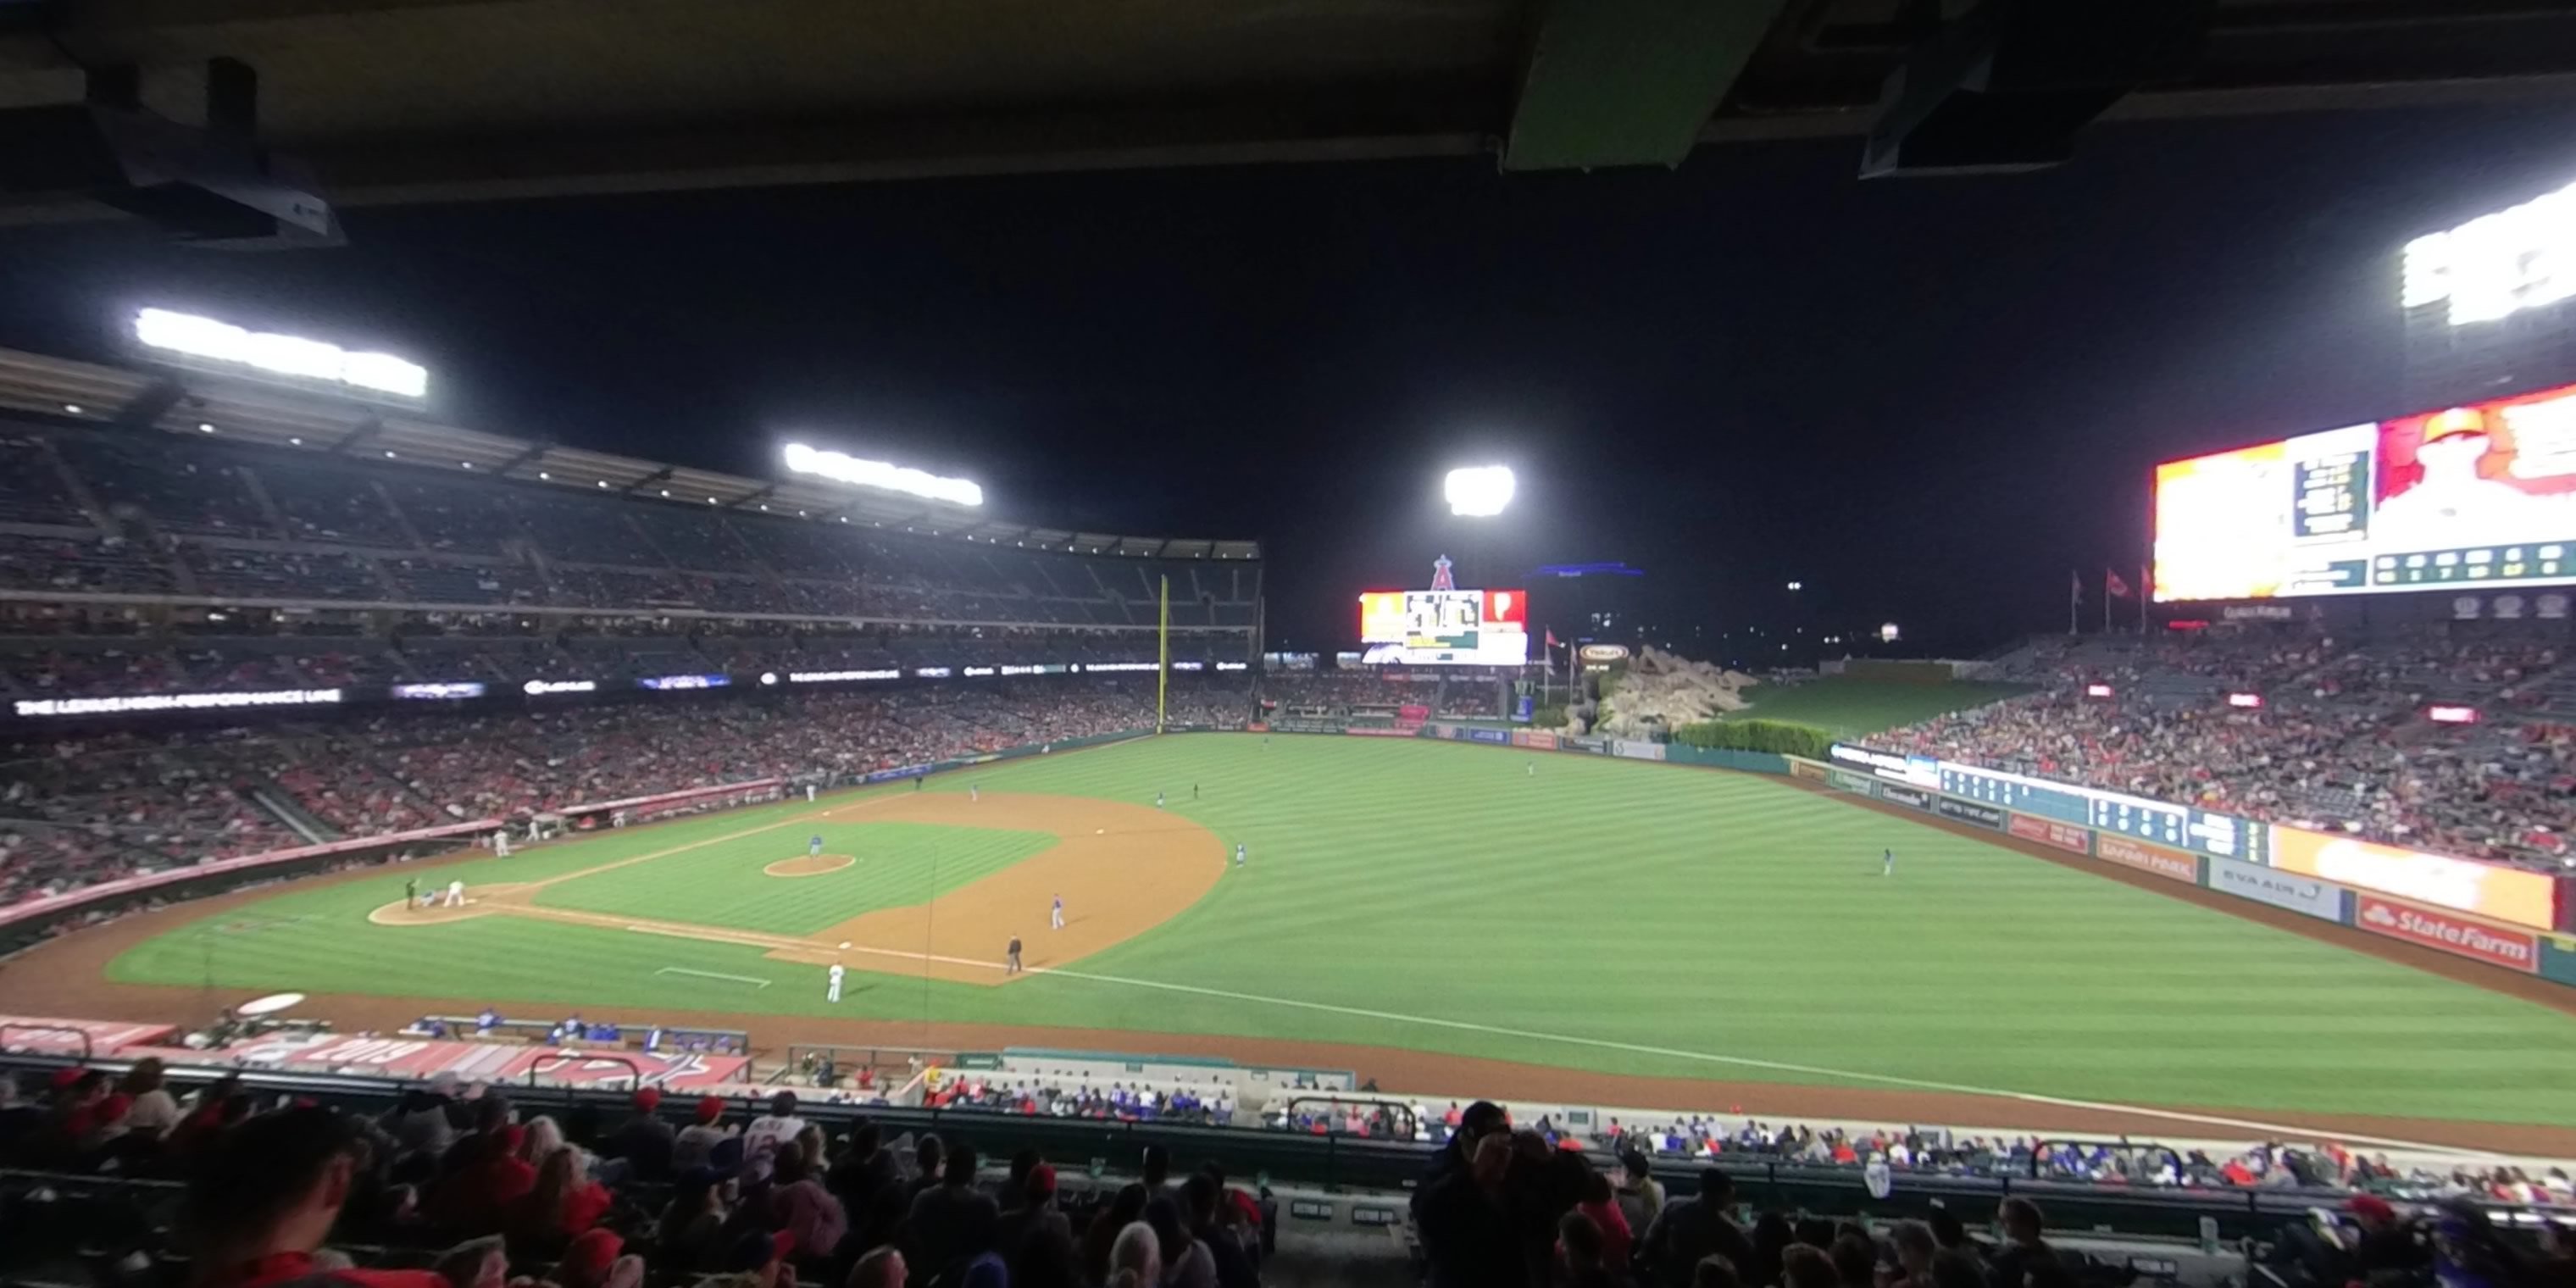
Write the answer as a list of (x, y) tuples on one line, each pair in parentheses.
[(1854, 708), (1686, 919)]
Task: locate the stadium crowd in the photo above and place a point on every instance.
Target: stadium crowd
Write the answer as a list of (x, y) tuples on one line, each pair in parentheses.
[(455, 1178), (87, 809), (2339, 739)]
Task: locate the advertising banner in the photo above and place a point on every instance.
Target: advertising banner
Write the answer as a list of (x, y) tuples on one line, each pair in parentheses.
[(2172, 865), (2459, 936), (1381, 731), (2283, 890), (1812, 771), (1597, 746), (2484, 889), (1502, 736), (1905, 796), (52, 1035), (1848, 781), (1918, 771), (2048, 831), (1969, 812), (398, 1057), (1534, 739), (1635, 749)]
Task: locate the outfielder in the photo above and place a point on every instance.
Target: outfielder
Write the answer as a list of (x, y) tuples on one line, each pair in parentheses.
[(1887, 859), (835, 994), (1055, 917), (974, 792), (1238, 854)]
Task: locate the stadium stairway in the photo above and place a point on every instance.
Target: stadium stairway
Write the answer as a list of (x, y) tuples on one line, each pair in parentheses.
[(280, 804)]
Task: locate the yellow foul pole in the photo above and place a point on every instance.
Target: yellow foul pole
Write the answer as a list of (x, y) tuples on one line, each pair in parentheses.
[(1163, 668)]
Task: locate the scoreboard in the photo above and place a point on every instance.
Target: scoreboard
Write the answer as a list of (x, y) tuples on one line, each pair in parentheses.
[(2179, 826), (1445, 627)]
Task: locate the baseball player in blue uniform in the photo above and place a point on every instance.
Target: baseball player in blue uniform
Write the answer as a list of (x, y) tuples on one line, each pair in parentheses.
[(813, 845)]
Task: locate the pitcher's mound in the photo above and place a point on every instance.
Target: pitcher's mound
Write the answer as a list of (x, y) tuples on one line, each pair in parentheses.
[(480, 901), (808, 865)]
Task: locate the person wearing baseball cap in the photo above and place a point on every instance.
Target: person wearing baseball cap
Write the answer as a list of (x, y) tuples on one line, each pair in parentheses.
[(265, 1196), (643, 1140), (1034, 1237), (696, 1144), (592, 1260), (2387, 1242)]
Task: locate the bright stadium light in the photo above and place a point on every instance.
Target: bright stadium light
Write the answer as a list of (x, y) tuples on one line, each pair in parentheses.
[(842, 467), (2519, 258), (1479, 491), (1887, 633), (283, 355)]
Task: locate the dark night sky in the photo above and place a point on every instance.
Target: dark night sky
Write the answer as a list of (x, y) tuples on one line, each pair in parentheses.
[(1928, 399)]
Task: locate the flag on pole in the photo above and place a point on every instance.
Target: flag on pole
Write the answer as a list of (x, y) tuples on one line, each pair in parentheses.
[(2111, 583), (2074, 600), (1551, 637)]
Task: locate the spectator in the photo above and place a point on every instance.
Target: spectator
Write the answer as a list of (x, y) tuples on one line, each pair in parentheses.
[(1803, 1266), (1135, 1258), (774, 1129), (1693, 1229), (879, 1267), (696, 1145), (1915, 1249), (1469, 1232), (150, 1112), (808, 1211), (1855, 1260), (1034, 1237), (266, 1196), (1641, 1196), (1601, 1203), (595, 1260), (692, 1224), (485, 1186), (1126, 1208), (561, 1202), (1714, 1271), (1582, 1259), (952, 1221), (2025, 1260), (1200, 1201), (643, 1142), (1187, 1263)]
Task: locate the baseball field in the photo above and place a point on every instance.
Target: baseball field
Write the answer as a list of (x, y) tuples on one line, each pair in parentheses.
[(1445, 917)]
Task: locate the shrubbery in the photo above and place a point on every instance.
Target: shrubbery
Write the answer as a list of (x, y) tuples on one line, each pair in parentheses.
[(1779, 737)]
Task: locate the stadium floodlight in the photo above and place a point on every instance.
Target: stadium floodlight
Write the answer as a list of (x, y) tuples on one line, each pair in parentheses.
[(1797, 585), (841, 467), (1887, 633), (1479, 491), (283, 355), (2518, 258)]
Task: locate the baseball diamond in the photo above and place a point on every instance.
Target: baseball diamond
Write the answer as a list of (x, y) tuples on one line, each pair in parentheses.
[(1693, 935)]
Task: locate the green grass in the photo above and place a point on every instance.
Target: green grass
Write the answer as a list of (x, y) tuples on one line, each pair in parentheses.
[(722, 884), (1688, 918), (1853, 708)]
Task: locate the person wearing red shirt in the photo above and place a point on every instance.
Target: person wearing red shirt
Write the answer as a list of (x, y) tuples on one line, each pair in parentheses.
[(474, 1200), (265, 1198), (561, 1202)]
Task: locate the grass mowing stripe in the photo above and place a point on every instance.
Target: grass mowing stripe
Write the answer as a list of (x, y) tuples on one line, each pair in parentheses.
[(1631, 905)]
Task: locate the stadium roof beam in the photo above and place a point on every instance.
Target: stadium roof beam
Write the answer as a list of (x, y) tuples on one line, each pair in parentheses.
[(1629, 82), (754, 497), (146, 408), (654, 479), (358, 435), (526, 454)]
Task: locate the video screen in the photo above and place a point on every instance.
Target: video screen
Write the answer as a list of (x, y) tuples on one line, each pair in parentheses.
[(2477, 495), (1444, 628)]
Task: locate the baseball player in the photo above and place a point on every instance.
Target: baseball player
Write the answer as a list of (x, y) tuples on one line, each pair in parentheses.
[(974, 792), (809, 793), (1533, 769), (455, 894), (1055, 916), (1887, 861), (814, 846), (501, 844), (1158, 800), (1013, 966), (1238, 854), (834, 994), (1194, 791), (411, 892)]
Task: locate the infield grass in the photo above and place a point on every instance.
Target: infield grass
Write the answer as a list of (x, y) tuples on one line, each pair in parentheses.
[(1596, 914)]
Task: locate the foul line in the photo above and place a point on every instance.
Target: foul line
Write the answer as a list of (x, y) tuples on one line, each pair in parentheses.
[(709, 974), (1704, 1057)]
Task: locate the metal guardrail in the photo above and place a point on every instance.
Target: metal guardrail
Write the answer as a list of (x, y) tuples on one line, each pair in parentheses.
[(22, 1027)]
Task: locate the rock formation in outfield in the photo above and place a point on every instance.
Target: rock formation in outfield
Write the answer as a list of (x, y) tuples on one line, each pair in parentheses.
[(1666, 689)]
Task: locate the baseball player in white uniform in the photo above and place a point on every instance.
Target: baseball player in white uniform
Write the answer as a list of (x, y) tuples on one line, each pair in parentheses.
[(835, 994), (1055, 918), (455, 894)]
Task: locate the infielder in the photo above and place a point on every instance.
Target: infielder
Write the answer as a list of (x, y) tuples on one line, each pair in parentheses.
[(455, 894), (1158, 800), (1055, 917), (1013, 968), (1238, 854), (974, 792), (814, 846), (835, 994)]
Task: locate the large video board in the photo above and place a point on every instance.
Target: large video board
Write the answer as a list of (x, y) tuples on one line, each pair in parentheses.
[(2480, 495), (1444, 628)]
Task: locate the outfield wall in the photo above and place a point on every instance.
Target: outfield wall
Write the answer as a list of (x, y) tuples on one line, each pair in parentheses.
[(2502, 917)]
